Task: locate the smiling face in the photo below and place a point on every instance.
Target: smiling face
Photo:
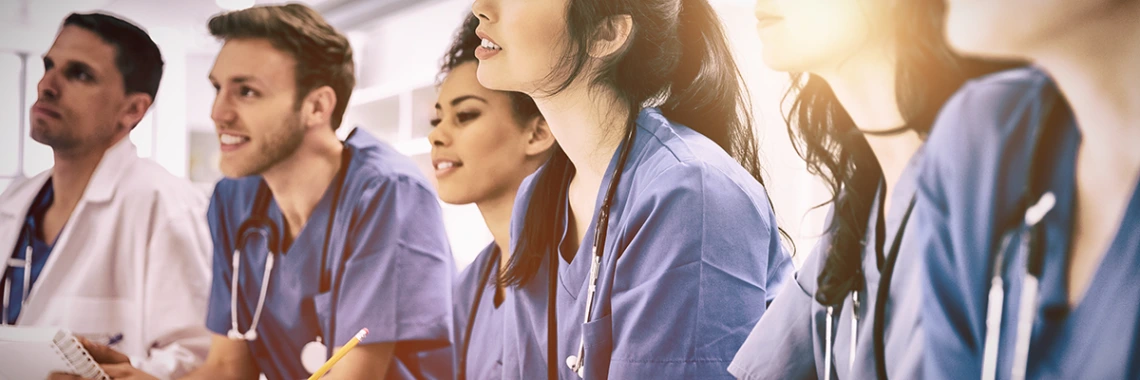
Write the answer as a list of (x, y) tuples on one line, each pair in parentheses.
[(255, 111), (82, 102), (524, 41), (480, 150)]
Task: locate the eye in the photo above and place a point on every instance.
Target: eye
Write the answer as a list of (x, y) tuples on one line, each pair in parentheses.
[(464, 117), (247, 92), (435, 122), (79, 74)]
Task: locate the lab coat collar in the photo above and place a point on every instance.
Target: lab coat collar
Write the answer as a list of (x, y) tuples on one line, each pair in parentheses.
[(21, 195), (116, 161), (101, 187)]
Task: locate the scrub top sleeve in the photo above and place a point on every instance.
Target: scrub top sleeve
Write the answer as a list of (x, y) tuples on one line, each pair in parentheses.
[(691, 283), (218, 310), (397, 280), (783, 345), (950, 352)]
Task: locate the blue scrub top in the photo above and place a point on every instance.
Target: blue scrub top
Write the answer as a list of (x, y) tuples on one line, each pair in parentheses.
[(485, 354), (968, 191), (692, 258), (790, 339), (29, 236), (388, 250)]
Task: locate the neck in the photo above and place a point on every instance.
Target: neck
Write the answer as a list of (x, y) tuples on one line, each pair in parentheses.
[(299, 181), (588, 124), (497, 214), (865, 86), (70, 175), (1100, 81)]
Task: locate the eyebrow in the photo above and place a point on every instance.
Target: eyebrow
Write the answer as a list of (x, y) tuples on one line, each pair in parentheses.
[(236, 80), (71, 63), (461, 99)]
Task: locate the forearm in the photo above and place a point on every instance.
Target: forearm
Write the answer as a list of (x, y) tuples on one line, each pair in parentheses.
[(218, 371)]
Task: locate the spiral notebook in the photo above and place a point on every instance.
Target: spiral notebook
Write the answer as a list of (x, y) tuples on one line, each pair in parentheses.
[(36, 352)]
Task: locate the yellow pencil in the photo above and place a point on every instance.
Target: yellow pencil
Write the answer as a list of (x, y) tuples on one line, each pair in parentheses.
[(339, 354)]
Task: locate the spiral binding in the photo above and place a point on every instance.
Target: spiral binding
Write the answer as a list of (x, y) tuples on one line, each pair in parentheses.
[(80, 361)]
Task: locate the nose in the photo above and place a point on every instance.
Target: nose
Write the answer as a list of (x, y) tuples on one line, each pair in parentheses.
[(222, 112), (438, 136), (482, 10), (48, 87)]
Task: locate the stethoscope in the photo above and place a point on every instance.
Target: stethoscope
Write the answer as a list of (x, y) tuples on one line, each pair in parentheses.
[(878, 326), (577, 363), (259, 224), (1030, 239), (26, 263), (485, 279)]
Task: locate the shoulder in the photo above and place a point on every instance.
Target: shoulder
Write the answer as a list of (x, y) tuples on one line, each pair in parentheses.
[(981, 133), (988, 111), (148, 184), (378, 166), (469, 278), (674, 159)]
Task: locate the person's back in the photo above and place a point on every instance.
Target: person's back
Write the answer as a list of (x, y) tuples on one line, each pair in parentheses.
[(117, 247)]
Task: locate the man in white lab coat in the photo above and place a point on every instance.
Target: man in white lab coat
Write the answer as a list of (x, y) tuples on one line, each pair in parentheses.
[(117, 248)]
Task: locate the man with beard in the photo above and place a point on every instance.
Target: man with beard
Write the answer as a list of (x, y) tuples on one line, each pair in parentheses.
[(315, 239)]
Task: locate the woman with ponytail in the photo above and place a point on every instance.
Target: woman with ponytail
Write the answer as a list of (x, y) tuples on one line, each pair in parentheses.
[(646, 248), (868, 79)]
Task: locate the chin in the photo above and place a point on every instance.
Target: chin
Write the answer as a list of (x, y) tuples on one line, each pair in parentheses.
[(490, 75), (781, 64), (453, 196), (234, 170)]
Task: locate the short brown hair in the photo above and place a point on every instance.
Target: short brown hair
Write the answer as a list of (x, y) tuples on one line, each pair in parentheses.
[(323, 55)]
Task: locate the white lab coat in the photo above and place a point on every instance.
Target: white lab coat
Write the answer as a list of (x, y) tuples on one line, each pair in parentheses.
[(133, 259)]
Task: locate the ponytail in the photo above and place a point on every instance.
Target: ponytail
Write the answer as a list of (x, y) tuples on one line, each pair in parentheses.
[(677, 58)]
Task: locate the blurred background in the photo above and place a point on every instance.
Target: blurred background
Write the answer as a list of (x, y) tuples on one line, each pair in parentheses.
[(397, 45)]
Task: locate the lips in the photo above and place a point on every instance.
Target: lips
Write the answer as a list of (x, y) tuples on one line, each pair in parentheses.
[(230, 142), (487, 47), (445, 166), (765, 19), (40, 109)]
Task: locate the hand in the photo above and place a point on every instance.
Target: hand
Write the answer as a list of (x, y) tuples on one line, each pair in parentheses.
[(114, 363), (104, 354)]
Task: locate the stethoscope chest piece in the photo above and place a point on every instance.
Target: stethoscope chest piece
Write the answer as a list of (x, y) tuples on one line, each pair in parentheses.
[(576, 365), (313, 355)]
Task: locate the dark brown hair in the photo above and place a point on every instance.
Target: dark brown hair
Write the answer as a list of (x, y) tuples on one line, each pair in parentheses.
[(676, 58), (136, 55), (323, 55), (927, 74), (463, 51)]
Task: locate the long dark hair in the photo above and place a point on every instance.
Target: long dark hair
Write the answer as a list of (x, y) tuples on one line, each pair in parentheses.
[(676, 58), (824, 135)]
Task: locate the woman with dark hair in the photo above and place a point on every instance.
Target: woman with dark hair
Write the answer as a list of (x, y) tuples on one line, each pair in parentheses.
[(868, 79), (646, 248), (484, 143)]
